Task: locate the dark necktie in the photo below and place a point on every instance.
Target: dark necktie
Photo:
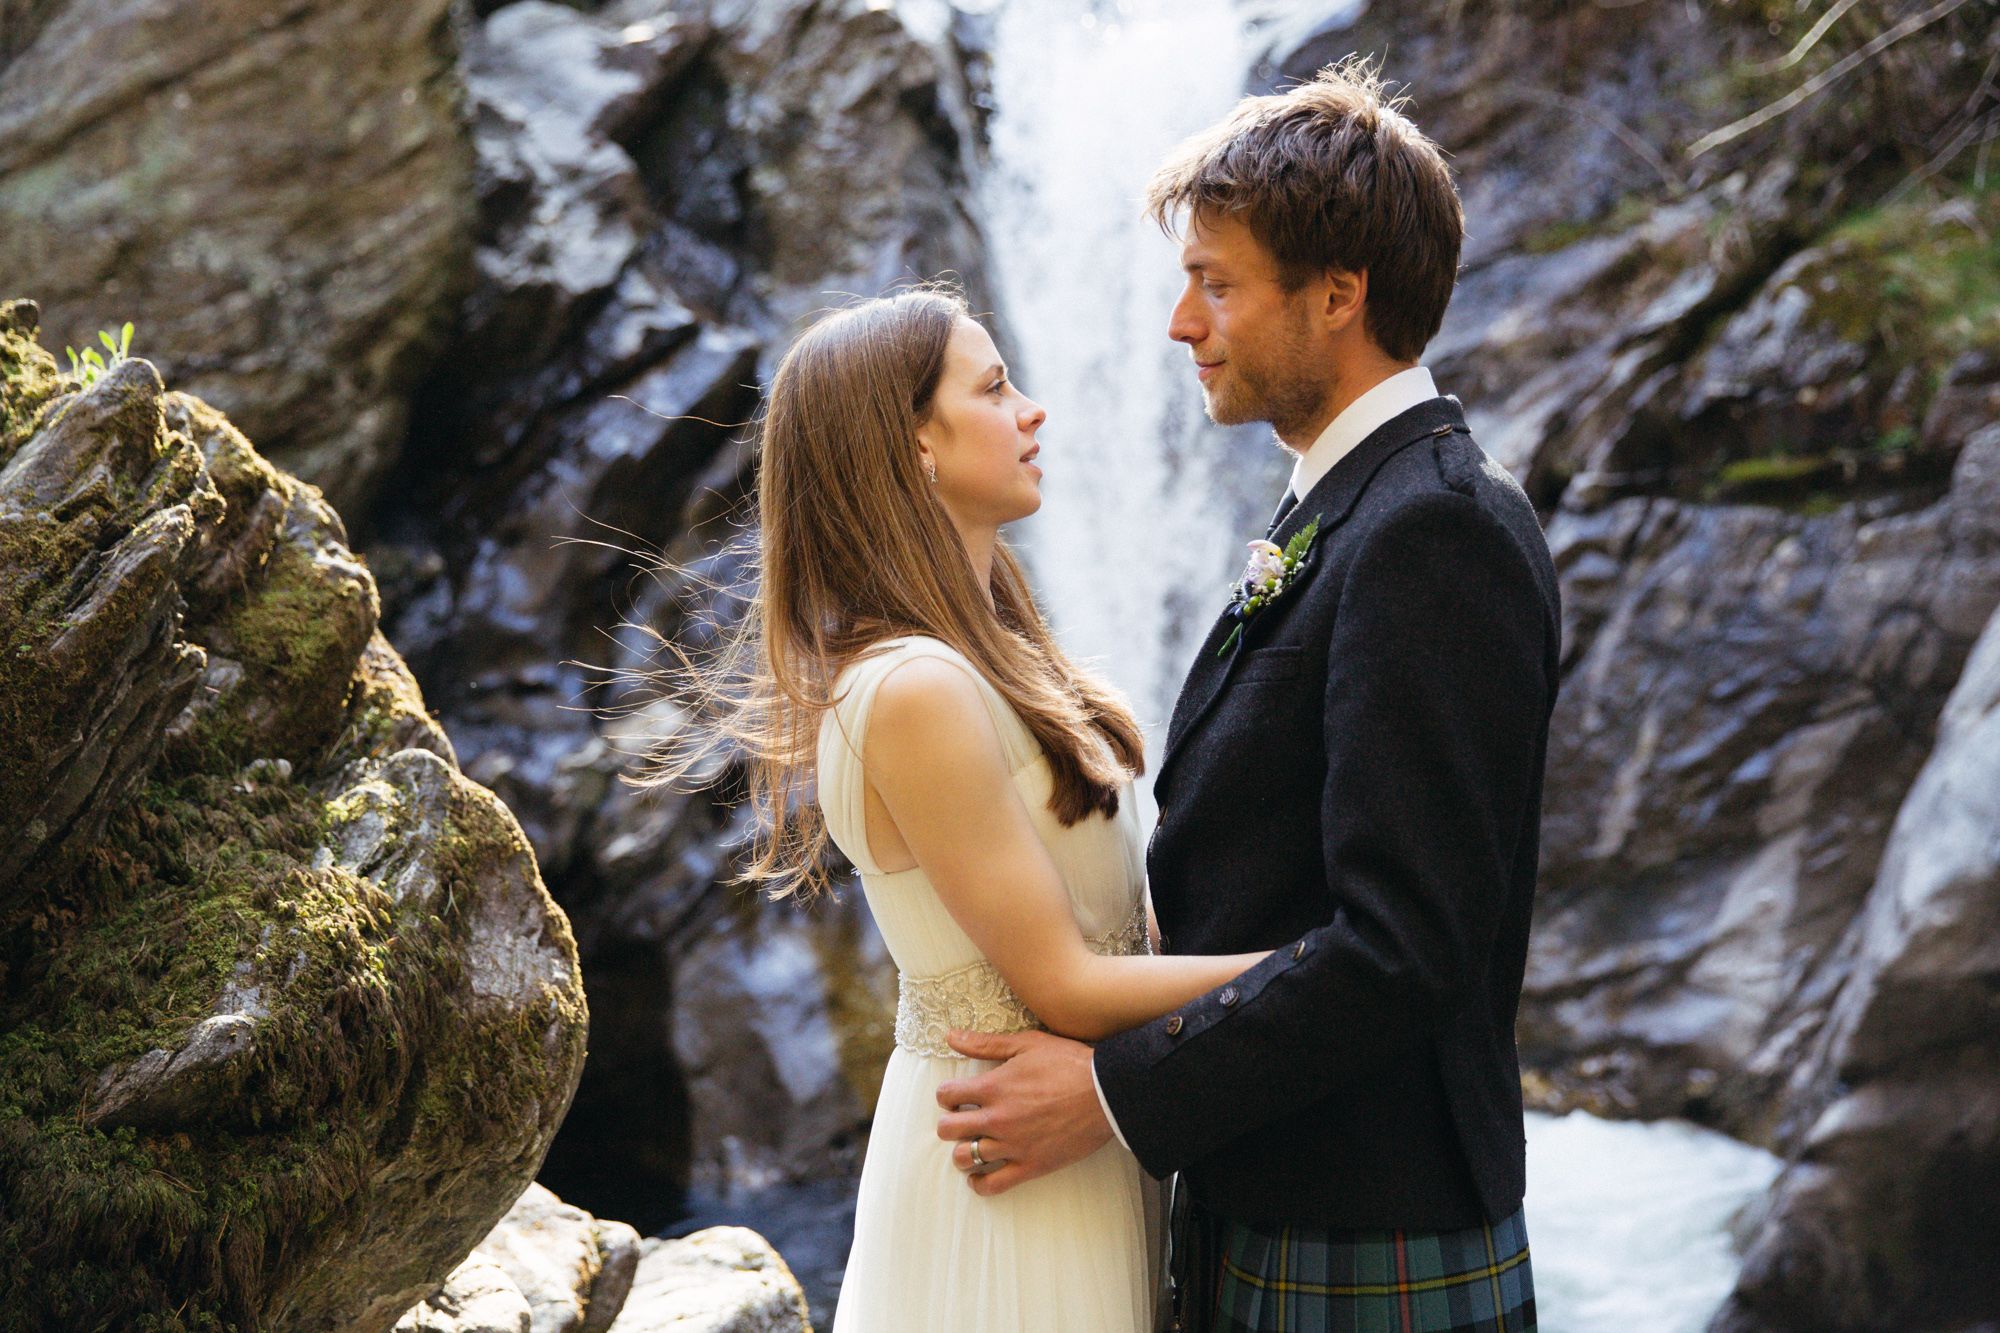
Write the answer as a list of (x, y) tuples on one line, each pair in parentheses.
[(1284, 508)]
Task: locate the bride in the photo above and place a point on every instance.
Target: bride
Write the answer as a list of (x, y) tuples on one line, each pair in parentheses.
[(980, 782)]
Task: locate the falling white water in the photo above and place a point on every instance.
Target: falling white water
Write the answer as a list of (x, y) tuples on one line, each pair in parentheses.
[(1146, 506), (1145, 503)]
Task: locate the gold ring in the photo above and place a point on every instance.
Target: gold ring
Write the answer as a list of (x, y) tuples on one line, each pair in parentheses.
[(977, 1160)]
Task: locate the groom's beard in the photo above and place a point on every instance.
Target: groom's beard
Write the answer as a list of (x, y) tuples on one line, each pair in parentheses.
[(1284, 382)]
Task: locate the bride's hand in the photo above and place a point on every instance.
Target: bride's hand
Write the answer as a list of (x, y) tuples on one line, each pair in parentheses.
[(1036, 1113)]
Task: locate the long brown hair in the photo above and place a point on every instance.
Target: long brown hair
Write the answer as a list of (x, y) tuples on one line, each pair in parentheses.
[(855, 548)]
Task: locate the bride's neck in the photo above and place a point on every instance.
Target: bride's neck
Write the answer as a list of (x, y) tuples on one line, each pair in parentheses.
[(979, 543)]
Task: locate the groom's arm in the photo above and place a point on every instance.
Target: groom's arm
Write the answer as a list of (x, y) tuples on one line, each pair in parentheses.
[(1437, 700)]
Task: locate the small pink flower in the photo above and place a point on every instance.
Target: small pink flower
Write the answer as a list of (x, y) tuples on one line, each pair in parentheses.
[(1270, 573), (1267, 565)]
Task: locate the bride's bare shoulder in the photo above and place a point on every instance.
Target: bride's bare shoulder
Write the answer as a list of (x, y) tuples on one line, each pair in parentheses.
[(927, 689)]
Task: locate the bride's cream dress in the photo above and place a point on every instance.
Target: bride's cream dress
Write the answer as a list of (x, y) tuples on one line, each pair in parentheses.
[(1076, 1251)]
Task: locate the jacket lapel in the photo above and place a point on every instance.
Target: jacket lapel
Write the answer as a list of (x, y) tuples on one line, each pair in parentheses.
[(1331, 501)]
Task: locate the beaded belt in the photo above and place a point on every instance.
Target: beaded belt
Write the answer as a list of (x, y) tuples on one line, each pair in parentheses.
[(976, 998)]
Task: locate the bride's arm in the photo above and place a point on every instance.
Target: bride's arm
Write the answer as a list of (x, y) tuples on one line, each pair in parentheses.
[(934, 758)]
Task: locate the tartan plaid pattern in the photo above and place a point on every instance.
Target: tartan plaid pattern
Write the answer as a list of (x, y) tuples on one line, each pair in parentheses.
[(1232, 1278)]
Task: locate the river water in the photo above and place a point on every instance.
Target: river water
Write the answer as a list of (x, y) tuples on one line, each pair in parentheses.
[(1146, 506)]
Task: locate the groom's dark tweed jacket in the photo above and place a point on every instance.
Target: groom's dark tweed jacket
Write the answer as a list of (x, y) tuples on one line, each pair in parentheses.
[(1357, 784)]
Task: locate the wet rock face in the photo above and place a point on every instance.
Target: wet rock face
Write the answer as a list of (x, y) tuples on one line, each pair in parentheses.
[(262, 945), (823, 148), (1749, 697), (1899, 1171), (278, 195), (664, 192)]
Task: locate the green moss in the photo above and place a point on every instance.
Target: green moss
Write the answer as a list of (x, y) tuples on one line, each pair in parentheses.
[(37, 555), (297, 633), (127, 957), (138, 471), (1895, 440), (1820, 503), (1912, 286), (290, 626), (386, 710), (1917, 290), (29, 379), (1769, 470), (377, 1049)]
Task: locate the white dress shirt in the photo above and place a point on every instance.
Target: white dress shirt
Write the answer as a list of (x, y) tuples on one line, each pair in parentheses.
[(1356, 422)]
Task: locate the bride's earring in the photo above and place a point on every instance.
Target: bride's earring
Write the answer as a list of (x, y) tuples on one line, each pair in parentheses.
[(930, 470)]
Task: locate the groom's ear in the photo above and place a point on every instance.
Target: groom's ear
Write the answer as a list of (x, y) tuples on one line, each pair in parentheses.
[(1346, 298)]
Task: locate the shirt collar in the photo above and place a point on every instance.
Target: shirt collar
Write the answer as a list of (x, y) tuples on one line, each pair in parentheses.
[(1357, 421)]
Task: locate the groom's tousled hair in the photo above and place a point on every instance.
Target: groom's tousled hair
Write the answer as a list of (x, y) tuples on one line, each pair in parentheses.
[(1331, 175)]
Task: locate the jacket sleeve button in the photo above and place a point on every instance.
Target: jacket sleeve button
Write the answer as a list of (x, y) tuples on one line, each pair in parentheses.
[(1228, 995), (1174, 1025)]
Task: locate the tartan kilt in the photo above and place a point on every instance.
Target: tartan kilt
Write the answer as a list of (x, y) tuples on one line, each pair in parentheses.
[(1233, 1278)]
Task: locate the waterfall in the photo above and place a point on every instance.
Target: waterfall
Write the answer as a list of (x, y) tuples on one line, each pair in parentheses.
[(1146, 505)]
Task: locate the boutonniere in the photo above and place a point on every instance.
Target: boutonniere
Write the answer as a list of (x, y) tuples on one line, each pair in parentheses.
[(1269, 576)]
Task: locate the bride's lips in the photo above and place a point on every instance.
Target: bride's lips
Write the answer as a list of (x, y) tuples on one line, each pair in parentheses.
[(1029, 457)]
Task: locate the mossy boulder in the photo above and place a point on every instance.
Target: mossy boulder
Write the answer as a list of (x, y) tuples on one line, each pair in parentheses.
[(287, 1017)]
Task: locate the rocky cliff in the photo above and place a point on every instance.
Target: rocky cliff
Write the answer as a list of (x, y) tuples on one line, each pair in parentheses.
[(1730, 310), (278, 193)]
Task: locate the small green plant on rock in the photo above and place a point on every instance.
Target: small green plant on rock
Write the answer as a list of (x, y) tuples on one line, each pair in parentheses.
[(89, 366)]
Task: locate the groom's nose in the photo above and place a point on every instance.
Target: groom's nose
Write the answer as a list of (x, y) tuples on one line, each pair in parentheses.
[(1185, 324)]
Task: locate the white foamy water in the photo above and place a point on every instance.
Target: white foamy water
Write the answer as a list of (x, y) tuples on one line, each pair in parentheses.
[(1629, 1222)]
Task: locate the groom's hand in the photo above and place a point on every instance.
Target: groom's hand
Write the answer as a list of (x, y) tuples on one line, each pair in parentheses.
[(1036, 1113)]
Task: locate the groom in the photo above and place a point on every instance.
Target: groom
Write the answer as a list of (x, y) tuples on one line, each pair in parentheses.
[(1352, 778)]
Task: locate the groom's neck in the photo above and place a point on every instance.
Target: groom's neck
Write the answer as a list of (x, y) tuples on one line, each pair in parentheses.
[(1353, 376)]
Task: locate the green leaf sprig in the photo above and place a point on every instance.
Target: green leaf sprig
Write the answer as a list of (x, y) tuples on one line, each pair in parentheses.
[(1271, 573)]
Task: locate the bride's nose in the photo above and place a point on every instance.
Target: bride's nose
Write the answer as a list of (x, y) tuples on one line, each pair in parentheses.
[(1032, 416)]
